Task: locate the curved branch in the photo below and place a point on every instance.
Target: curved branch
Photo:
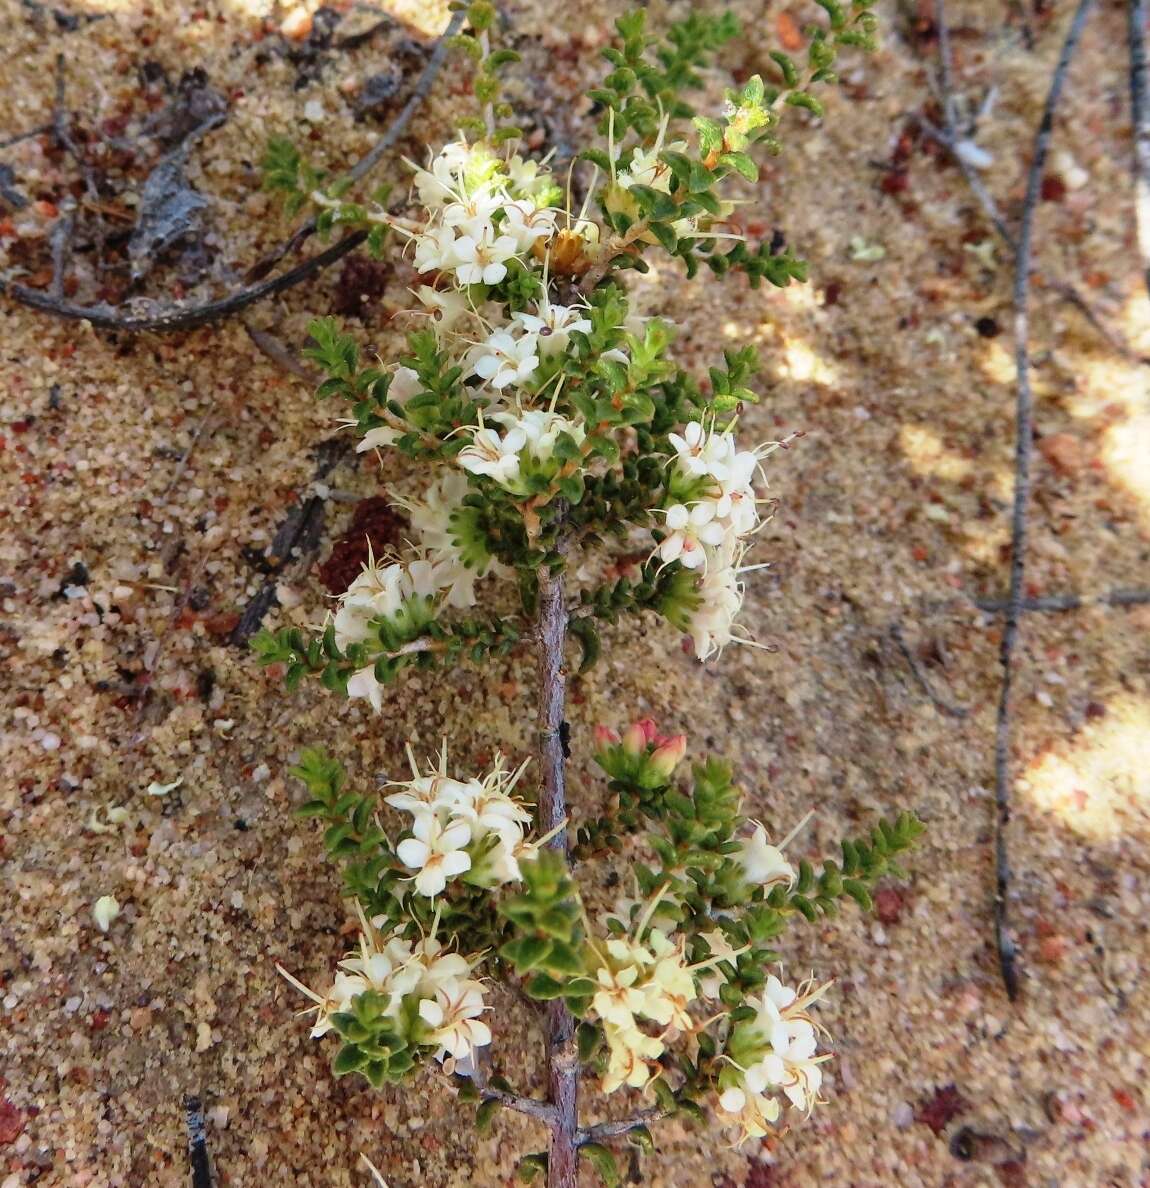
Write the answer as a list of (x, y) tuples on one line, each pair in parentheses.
[(199, 315)]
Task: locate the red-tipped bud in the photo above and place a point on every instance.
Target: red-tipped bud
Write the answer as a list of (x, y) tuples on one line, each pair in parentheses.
[(606, 737), (669, 754), (649, 729)]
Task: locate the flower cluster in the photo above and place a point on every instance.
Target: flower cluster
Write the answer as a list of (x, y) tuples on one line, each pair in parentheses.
[(712, 509), (482, 213), (528, 444), (640, 982), (449, 538), (426, 993), (472, 829), (770, 1055), (386, 604)]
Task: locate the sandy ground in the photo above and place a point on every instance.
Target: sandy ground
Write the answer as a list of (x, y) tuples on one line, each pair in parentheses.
[(141, 476)]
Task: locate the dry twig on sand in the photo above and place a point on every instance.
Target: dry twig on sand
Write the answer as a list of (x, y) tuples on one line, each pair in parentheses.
[(1023, 449), (187, 317)]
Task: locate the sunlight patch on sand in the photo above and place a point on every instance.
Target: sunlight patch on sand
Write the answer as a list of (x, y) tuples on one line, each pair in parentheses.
[(1098, 783)]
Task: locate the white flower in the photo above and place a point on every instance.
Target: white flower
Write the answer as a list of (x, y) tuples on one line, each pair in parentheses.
[(104, 911), (541, 430), (381, 592), (629, 1052), (503, 360), (762, 863), (703, 452), (432, 519), (646, 169), (436, 851), (527, 223), (472, 215), (453, 1016), (482, 260), (458, 169), (525, 175), (690, 531), (721, 598), (495, 456), (790, 1064), (552, 326), (363, 683), (721, 949), (437, 250), (405, 383), (447, 307)]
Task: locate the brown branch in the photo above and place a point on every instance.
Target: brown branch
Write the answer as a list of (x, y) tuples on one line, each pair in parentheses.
[(1140, 116), (939, 703), (562, 1058), (1023, 448), (607, 1130), (199, 315)]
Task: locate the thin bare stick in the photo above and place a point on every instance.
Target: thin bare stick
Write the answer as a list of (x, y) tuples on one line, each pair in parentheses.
[(1055, 603), (607, 1130), (8, 142), (1140, 114), (562, 1057), (544, 1111), (170, 319), (1022, 454), (939, 703)]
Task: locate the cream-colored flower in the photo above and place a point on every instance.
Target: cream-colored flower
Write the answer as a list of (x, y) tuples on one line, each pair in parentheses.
[(436, 851), (494, 456), (629, 1056), (454, 1018), (762, 863)]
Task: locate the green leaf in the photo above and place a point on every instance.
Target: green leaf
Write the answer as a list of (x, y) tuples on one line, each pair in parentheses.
[(742, 164), (710, 134), (602, 1159), (485, 1114)]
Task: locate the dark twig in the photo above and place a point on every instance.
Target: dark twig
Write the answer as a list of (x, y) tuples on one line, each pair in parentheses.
[(296, 539), (939, 703), (199, 315), (61, 241), (949, 137), (197, 1143), (184, 319), (1140, 114), (9, 141), (1022, 455)]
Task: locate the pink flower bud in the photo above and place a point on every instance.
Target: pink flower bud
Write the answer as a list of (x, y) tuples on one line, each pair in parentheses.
[(669, 754), (649, 729), (606, 737)]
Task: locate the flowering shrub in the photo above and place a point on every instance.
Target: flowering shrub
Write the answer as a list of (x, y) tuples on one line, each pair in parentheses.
[(561, 441)]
